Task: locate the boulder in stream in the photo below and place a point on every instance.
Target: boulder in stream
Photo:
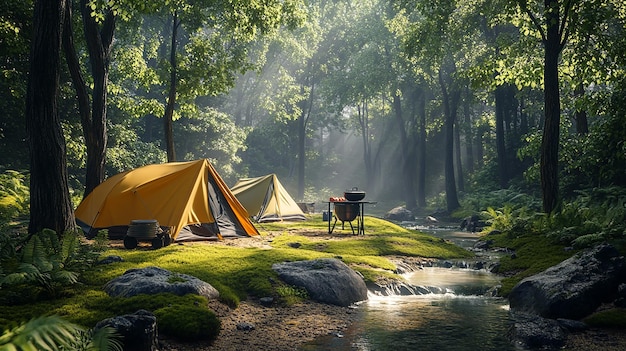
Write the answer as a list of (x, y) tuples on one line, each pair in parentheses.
[(574, 288)]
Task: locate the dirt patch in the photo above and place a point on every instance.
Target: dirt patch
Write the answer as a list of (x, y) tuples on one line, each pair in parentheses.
[(252, 326)]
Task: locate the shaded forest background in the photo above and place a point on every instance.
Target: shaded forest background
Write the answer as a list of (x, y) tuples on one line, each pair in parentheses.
[(431, 105)]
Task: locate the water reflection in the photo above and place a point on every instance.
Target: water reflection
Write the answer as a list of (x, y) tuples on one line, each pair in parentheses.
[(447, 322)]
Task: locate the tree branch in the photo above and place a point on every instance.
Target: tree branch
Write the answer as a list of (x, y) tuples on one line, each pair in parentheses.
[(524, 6)]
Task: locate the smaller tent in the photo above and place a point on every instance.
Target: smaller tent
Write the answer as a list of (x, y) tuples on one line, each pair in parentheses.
[(266, 199), (188, 197)]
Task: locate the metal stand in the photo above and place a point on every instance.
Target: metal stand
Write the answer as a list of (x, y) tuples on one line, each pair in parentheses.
[(359, 219)]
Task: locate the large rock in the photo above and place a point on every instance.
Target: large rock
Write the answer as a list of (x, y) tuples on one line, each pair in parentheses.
[(154, 280), (326, 280), (574, 288), (138, 331), (399, 214)]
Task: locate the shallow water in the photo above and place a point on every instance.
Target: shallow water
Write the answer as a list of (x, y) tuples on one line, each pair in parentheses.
[(440, 322)]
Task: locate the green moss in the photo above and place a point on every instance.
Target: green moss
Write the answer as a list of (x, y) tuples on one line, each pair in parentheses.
[(188, 322), (533, 254), (235, 272), (612, 318)]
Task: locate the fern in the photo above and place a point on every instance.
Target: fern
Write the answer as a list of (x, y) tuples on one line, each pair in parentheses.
[(46, 262), (53, 333), (43, 333)]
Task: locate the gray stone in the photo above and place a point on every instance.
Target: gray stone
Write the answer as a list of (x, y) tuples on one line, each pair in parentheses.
[(154, 280), (529, 331), (138, 331), (326, 280), (574, 288), (399, 214), (110, 259)]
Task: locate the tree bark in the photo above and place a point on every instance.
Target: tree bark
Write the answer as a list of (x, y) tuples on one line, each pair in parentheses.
[(50, 205), (458, 163), (421, 152), (500, 143), (168, 118), (99, 43), (407, 175), (450, 104), (552, 109), (580, 115), (469, 150)]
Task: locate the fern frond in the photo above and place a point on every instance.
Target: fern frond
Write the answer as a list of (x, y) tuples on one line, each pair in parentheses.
[(65, 277), (69, 246), (106, 338), (43, 333)]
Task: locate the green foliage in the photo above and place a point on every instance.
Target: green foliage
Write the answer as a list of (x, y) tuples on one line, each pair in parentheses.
[(44, 264), (595, 215), (14, 195), (44, 333), (188, 322), (53, 333)]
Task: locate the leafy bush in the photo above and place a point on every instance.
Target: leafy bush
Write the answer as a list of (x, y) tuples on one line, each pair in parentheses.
[(188, 322), (14, 195)]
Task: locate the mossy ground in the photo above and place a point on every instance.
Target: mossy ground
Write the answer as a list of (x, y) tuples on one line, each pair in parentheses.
[(235, 271)]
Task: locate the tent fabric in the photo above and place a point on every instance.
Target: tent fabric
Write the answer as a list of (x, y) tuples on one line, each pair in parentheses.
[(178, 195), (266, 199)]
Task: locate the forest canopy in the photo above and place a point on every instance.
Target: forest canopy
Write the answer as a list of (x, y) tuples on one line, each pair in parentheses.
[(420, 103)]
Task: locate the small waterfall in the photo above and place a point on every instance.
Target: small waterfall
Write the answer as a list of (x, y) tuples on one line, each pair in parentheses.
[(399, 288)]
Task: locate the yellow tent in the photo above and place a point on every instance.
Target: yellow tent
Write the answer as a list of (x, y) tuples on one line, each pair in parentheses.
[(266, 199), (189, 197)]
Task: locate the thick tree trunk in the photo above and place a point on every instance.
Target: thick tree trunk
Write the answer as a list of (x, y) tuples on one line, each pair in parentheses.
[(168, 118), (549, 164), (50, 205), (99, 45)]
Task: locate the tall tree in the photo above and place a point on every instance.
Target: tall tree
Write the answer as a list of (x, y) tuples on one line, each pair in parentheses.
[(50, 205), (553, 24)]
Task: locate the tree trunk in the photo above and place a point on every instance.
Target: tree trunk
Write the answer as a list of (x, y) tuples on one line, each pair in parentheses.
[(450, 104), (457, 153), (168, 118), (549, 164), (302, 125), (580, 115), (421, 152), (407, 175), (500, 143), (50, 204), (469, 150), (94, 130)]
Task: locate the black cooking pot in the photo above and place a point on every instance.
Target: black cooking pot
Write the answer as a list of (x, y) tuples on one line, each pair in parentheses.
[(354, 195)]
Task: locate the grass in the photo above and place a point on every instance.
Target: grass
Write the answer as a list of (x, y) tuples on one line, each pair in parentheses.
[(237, 272)]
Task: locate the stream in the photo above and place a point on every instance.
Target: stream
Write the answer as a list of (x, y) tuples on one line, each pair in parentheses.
[(459, 317)]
